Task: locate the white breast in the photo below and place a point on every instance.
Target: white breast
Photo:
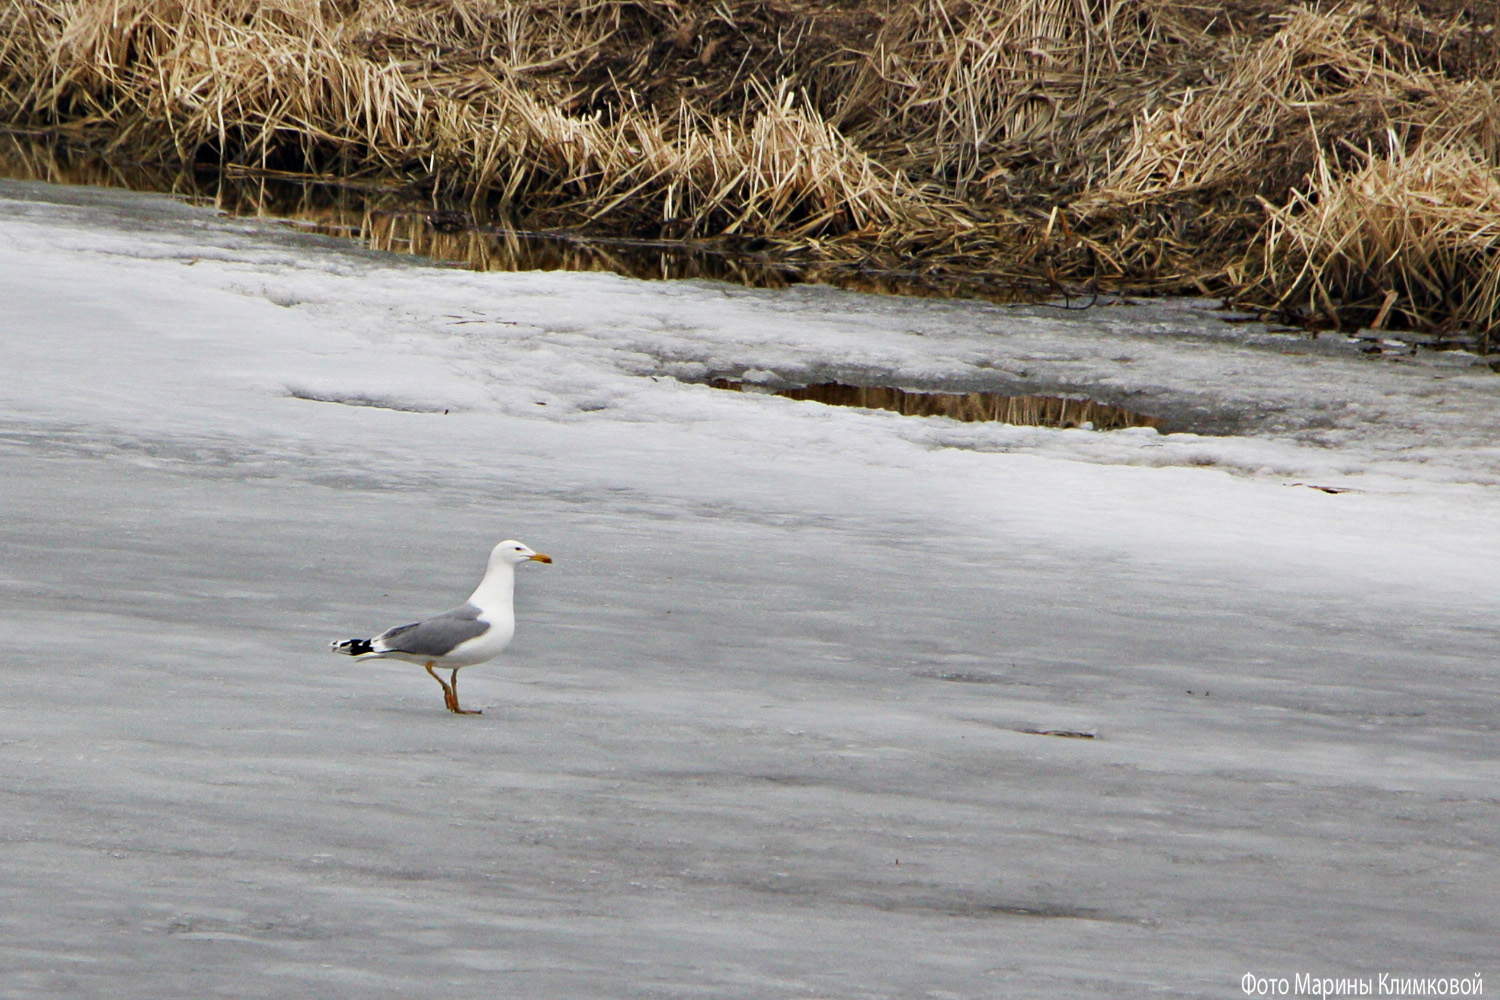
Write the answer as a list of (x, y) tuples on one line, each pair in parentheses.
[(483, 647)]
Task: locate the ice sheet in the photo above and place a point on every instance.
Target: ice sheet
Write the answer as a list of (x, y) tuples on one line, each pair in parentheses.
[(762, 730)]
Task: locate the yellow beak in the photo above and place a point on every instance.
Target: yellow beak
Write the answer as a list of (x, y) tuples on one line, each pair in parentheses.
[(540, 557)]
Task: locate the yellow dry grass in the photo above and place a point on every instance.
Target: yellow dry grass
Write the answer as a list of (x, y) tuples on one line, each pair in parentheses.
[(1144, 144), (953, 83), (264, 81), (1218, 135), (1408, 238)]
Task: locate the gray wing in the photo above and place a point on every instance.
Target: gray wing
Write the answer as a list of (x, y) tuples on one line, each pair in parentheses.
[(435, 636)]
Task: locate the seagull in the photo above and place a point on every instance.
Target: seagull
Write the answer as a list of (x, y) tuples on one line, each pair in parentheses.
[(475, 631)]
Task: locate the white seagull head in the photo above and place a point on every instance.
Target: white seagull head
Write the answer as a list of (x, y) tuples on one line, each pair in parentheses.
[(514, 553)]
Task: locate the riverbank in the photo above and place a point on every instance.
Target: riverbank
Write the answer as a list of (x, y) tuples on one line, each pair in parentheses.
[(1331, 164)]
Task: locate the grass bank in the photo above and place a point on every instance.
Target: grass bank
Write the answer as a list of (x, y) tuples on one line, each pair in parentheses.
[(1334, 163)]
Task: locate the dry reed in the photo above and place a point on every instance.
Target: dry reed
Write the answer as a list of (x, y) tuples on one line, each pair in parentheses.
[(1306, 158), (1409, 240)]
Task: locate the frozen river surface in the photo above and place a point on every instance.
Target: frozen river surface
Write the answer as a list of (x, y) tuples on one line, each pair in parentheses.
[(770, 726)]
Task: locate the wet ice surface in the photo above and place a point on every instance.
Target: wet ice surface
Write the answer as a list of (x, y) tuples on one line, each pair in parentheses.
[(761, 730)]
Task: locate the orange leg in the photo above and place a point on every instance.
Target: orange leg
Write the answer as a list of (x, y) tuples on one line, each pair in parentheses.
[(450, 699), (453, 679)]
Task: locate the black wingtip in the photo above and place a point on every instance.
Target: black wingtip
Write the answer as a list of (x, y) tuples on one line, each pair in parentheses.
[(352, 647)]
